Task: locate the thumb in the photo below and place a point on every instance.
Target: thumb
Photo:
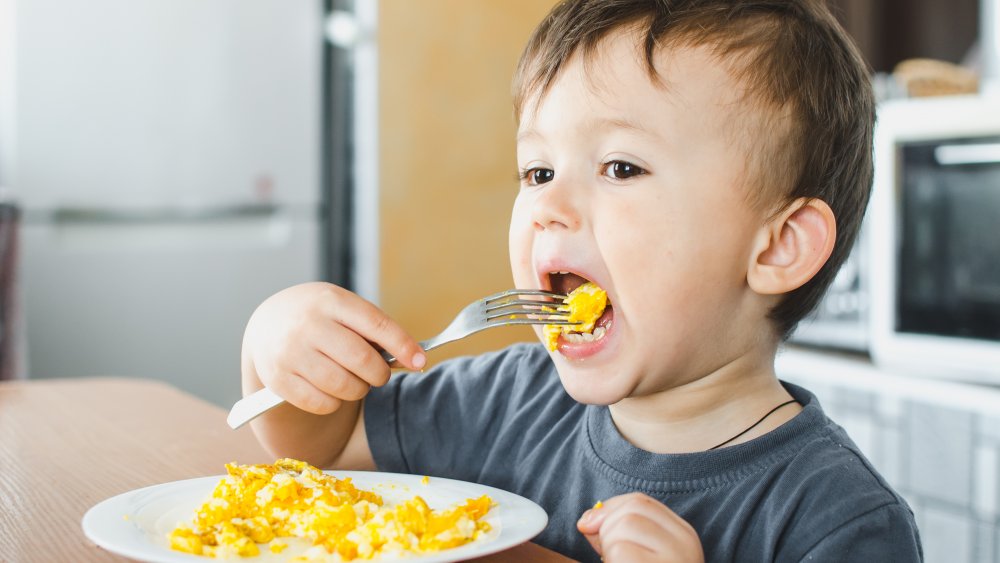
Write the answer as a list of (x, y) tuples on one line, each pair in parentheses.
[(591, 520), (590, 526)]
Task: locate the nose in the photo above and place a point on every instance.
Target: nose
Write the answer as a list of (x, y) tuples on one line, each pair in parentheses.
[(556, 206)]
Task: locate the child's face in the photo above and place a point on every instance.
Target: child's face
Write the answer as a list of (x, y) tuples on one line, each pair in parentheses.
[(639, 188)]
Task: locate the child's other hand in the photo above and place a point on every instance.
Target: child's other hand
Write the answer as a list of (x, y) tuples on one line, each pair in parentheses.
[(312, 344), (636, 527)]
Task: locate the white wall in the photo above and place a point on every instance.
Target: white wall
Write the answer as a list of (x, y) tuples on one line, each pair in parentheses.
[(7, 123)]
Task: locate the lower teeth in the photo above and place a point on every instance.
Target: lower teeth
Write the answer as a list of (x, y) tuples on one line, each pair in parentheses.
[(578, 337)]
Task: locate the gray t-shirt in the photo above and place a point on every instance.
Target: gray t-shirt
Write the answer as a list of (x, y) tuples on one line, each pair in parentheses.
[(800, 492)]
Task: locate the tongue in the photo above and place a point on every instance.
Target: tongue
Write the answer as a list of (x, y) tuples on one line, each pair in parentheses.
[(569, 282), (606, 317)]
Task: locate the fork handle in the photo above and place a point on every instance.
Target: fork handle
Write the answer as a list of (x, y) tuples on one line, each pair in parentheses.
[(389, 358), (252, 406), (426, 345)]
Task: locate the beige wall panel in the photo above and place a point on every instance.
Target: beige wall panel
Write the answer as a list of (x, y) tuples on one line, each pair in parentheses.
[(447, 158)]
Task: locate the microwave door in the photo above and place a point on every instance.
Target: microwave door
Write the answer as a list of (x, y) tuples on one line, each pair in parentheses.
[(949, 257)]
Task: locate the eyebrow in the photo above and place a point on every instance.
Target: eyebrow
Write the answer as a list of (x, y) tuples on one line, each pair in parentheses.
[(597, 124), (626, 124), (521, 136)]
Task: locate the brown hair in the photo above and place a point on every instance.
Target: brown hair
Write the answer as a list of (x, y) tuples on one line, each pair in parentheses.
[(796, 62)]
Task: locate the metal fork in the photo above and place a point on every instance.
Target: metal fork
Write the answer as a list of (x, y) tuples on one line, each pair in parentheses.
[(511, 307)]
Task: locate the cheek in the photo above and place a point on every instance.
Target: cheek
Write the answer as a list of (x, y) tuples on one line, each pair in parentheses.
[(519, 243), (629, 247), (667, 265)]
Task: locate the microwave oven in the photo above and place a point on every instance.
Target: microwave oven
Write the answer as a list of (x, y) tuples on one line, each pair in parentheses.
[(934, 238)]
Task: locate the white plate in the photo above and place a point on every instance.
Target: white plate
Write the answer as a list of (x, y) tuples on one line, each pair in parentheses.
[(135, 524)]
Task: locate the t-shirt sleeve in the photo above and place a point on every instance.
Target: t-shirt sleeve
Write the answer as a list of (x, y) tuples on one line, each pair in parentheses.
[(883, 534), (445, 421)]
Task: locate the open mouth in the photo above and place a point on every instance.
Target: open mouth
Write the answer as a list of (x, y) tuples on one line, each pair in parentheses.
[(588, 304)]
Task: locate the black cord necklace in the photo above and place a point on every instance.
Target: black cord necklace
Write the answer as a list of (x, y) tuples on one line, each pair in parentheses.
[(752, 426)]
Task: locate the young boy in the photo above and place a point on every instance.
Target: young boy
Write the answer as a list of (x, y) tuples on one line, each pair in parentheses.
[(707, 163)]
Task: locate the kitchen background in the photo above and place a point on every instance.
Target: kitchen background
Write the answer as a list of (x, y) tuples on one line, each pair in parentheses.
[(166, 165)]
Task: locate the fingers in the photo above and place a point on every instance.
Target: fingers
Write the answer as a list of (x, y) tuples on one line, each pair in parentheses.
[(315, 346), (593, 519), (628, 551), (298, 392), (590, 522), (636, 527), (352, 354), (594, 539), (375, 326), (324, 365), (333, 378)]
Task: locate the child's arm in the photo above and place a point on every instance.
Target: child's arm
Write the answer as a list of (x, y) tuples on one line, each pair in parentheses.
[(312, 344), (636, 528)]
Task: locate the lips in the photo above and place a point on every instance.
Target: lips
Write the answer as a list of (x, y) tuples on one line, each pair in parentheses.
[(560, 278)]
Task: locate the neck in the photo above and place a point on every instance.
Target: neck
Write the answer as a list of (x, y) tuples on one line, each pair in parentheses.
[(703, 413)]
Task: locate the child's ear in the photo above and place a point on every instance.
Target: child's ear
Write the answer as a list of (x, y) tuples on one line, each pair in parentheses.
[(792, 247)]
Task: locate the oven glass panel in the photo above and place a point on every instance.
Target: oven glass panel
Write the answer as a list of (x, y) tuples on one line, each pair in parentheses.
[(949, 254)]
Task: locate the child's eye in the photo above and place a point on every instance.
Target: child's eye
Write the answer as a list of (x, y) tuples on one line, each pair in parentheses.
[(536, 176), (621, 170)]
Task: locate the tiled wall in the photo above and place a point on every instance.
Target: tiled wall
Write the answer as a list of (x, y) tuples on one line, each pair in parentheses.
[(942, 456)]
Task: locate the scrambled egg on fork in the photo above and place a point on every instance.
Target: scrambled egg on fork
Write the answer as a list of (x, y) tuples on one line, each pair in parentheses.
[(258, 504), (585, 304)]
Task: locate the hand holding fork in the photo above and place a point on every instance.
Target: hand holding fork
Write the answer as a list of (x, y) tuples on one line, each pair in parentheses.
[(322, 363)]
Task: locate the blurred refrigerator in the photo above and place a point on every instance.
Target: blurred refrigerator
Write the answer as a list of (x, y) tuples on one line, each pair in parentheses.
[(168, 161)]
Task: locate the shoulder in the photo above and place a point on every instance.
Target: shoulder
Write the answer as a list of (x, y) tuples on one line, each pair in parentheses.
[(837, 476), (839, 497), (825, 457), (885, 532)]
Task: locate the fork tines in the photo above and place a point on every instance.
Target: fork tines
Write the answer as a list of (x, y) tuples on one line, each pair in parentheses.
[(509, 307), (504, 295)]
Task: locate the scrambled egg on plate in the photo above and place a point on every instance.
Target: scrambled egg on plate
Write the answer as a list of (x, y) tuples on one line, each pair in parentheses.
[(260, 504)]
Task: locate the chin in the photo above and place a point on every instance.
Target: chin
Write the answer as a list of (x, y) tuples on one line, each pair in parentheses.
[(585, 389)]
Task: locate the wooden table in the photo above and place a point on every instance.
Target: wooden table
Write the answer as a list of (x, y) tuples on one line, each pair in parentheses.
[(66, 445)]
